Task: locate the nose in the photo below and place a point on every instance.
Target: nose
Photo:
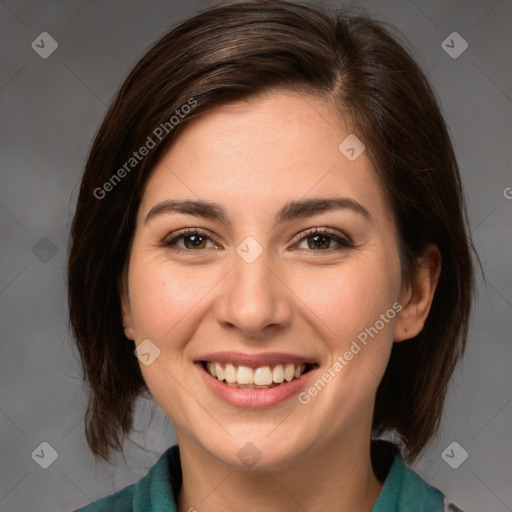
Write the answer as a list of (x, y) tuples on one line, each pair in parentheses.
[(254, 299)]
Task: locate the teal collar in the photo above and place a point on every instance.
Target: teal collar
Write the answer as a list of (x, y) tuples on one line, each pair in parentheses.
[(159, 488), (405, 491)]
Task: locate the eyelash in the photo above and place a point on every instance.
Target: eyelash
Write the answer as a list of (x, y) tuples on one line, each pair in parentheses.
[(344, 243)]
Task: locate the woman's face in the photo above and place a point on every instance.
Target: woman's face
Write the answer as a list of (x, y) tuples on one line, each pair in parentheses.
[(254, 294)]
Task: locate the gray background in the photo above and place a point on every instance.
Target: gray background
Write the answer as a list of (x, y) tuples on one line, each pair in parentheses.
[(50, 110)]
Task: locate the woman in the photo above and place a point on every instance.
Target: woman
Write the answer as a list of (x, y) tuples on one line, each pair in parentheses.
[(271, 239)]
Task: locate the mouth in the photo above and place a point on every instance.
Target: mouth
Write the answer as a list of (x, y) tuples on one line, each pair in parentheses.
[(255, 381)]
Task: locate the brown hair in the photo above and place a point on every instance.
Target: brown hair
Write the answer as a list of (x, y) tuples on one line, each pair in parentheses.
[(233, 52)]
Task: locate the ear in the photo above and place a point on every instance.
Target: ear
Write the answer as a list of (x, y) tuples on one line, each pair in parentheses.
[(126, 311), (418, 297)]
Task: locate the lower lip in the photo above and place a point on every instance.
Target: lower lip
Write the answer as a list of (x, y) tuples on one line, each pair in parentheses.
[(254, 398)]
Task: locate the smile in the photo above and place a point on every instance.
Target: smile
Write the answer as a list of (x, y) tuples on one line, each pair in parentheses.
[(255, 381), (263, 377)]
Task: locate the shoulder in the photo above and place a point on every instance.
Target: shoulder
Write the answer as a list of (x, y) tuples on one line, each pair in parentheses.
[(405, 491), (121, 501), (414, 494), (154, 491)]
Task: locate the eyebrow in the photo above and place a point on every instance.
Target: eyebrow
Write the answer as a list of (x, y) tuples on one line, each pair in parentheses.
[(290, 211)]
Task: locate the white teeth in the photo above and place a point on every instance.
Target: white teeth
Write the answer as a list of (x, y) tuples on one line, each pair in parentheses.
[(245, 375), (262, 376), (219, 372), (289, 372), (230, 373), (278, 373)]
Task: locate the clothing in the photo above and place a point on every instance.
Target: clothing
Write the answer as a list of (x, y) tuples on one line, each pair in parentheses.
[(157, 491)]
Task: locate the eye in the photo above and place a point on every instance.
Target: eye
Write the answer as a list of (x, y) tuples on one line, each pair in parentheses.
[(192, 239), (195, 240), (322, 238)]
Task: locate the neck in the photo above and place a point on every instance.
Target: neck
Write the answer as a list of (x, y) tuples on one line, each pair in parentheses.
[(337, 476)]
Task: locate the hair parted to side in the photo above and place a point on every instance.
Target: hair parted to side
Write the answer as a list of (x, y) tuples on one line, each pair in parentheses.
[(234, 52)]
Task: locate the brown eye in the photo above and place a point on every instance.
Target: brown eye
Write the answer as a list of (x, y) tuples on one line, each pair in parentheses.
[(320, 240), (193, 240)]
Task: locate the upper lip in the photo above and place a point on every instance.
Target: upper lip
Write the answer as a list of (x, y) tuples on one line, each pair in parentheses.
[(256, 360)]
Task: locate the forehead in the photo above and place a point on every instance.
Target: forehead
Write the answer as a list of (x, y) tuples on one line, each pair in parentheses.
[(258, 154)]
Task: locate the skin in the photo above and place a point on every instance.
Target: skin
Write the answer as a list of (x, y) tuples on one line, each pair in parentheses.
[(252, 157)]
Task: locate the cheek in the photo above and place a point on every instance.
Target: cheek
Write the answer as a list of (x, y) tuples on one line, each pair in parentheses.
[(356, 304), (163, 295), (350, 297), (348, 302)]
